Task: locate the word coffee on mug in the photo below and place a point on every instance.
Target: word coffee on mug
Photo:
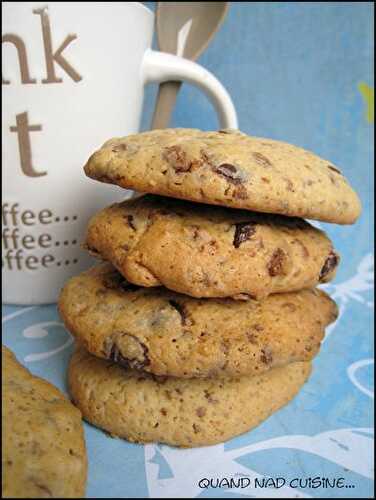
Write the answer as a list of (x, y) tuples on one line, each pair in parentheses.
[(73, 76)]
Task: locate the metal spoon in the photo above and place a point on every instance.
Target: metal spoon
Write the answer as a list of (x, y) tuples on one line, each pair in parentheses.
[(184, 29)]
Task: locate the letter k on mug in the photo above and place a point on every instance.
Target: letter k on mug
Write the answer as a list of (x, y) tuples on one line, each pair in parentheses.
[(73, 76)]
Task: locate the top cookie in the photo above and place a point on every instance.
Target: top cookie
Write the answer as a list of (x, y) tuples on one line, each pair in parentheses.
[(43, 453), (228, 168)]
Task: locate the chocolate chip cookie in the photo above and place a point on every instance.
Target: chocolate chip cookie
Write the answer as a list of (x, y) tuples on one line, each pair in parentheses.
[(208, 251), (179, 412), (169, 334), (43, 449), (228, 168)]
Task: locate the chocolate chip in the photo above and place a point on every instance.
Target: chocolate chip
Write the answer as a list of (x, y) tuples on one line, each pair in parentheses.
[(196, 231), (196, 428), (116, 357), (335, 169), (275, 266), (130, 220), (177, 158), (135, 363), (229, 172), (200, 412), (243, 232), (164, 411), (330, 264), (262, 160), (266, 356), (181, 309)]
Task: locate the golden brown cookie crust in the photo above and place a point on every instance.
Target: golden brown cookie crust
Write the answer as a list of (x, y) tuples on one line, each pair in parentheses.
[(228, 168), (206, 251), (169, 334), (43, 449), (179, 412)]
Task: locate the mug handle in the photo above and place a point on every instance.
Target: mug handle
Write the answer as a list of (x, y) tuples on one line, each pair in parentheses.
[(162, 67)]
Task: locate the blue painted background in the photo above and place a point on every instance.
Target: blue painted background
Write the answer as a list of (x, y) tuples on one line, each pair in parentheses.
[(294, 71)]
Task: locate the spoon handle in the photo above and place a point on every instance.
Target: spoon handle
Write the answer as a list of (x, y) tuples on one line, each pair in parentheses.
[(165, 102)]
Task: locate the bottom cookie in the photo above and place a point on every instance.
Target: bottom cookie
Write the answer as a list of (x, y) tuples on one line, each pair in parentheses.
[(179, 412)]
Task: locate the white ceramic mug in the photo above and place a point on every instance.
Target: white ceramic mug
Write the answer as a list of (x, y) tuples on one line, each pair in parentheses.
[(73, 76)]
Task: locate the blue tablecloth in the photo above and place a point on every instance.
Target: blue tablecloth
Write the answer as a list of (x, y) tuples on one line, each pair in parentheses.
[(300, 72)]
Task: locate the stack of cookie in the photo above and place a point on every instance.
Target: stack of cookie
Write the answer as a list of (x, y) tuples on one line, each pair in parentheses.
[(205, 317)]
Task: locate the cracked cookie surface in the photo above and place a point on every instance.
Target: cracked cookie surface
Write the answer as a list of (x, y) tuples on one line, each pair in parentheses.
[(206, 251), (228, 168), (43, 449), (179, 412), (170, 334)]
